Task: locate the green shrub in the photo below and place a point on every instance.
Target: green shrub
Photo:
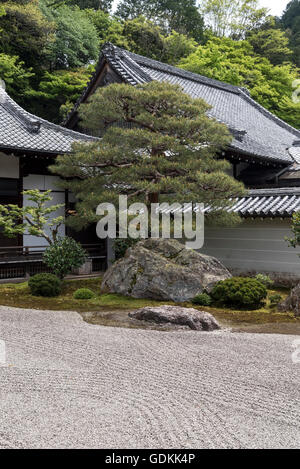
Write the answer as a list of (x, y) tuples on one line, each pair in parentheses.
[(275, 300), (83, 294), (264, 279), (63, 256), (240, 292), (203, 300), (47, 285)]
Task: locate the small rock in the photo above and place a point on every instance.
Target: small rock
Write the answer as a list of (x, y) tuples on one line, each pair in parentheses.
[(194, 319)]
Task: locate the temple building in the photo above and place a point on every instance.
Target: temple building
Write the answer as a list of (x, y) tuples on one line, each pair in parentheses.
[(264, 154), (28, 145)]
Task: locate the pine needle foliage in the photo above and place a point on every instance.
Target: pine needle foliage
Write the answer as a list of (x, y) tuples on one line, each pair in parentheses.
[(158, 144)]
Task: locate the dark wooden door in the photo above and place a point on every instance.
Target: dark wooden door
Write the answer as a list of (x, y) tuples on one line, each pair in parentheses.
[(9, 194)]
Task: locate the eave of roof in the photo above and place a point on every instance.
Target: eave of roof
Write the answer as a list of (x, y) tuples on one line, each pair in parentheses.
[(268, 203), (22, 131), (262, 203)]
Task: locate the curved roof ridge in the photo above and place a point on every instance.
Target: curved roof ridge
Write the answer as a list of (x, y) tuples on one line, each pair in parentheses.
[(152, 63)]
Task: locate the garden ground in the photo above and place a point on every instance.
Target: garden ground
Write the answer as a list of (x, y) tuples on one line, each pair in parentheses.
[(70, 384), (112, 309)]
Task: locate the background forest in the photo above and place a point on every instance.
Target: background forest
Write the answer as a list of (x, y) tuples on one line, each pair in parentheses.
[(48, 48)]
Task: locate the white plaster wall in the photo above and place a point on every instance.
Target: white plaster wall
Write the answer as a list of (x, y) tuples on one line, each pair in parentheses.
[(34, 181), (255, 245), (9, 166)]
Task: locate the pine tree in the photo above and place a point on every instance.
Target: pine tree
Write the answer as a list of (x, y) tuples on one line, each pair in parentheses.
[(158, 144)]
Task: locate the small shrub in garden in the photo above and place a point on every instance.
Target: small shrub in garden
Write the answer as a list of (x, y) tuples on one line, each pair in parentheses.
[(264, 279), (83, 294), (63, 256), (202, 300), (240, 292), (47, 285), (275, 300)]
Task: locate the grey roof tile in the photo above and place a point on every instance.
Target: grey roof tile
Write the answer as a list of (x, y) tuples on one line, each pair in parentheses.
[(261, 134), (20, 130), (277, 202), (264, 203)]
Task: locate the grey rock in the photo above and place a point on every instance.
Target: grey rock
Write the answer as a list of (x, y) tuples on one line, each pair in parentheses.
[(163, 270), (194, 319), (292, 302)]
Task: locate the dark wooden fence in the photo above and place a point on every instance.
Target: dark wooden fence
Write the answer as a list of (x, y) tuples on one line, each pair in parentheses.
[(25, 261)]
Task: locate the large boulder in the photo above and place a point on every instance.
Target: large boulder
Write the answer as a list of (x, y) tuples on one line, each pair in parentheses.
[(194, 319), (163, 270), (292, 302)]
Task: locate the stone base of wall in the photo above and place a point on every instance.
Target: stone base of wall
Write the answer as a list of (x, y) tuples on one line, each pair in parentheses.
[(85, 269), (280, 279)]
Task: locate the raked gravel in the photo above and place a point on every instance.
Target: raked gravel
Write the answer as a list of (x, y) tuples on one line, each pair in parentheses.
[(69, 384)]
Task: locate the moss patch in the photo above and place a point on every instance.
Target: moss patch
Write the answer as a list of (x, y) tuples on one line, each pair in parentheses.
[(18, 295), (112, 309)]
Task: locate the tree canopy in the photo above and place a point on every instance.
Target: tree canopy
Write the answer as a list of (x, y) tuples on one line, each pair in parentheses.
[(235, 62), (158, 141), (232, 17), (182, 16), (291, 23), (75, 38), (48, 48)]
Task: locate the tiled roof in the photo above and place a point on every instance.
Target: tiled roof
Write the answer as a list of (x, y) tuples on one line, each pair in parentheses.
[(268, 203), (257, 132), (20, 130), (259, 203)]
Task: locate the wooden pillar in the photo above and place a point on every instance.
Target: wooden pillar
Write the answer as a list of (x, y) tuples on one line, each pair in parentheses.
[(110, 252), (20, 190)]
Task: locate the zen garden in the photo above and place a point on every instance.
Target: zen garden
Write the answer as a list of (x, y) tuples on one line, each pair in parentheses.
[(189, 111)]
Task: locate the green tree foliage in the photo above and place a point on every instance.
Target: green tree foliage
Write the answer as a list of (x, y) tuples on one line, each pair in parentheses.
[(235, 62), (176, 47), (47, 46), (144, 37), (58, 92), (25, 32), (182, 16), (104, 5), (271, 42), (109, 29), (232, 17), (291, 23), (76, 40), (15, 76), (295, 240), (158, 142), (63, 256), (37, 219), (130, 9)]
